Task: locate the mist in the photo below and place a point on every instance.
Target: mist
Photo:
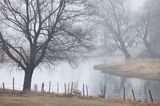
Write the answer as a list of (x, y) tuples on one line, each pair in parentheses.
[(118, 31)]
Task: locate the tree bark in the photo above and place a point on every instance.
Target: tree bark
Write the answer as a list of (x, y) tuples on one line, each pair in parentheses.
[(151, 53), (124, 50), (28, 79), (126, 53)]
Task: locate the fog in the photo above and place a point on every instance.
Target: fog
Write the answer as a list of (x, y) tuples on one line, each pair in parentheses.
[(108, 49), (136, 4)]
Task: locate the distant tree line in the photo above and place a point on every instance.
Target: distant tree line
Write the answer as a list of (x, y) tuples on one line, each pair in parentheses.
[(124, 28)]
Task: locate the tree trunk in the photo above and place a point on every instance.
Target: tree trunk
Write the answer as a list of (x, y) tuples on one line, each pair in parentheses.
[(28, 79), (125, 52), (123, 47), (151, 53)]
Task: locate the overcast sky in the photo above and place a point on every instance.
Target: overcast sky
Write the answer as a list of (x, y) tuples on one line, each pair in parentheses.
[(137, 4)]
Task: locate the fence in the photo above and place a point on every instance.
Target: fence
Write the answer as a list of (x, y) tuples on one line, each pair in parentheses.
[(127, 94), (70, 89)]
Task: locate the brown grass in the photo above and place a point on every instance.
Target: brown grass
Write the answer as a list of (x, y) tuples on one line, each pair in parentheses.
[(139, 68), (54, 100)]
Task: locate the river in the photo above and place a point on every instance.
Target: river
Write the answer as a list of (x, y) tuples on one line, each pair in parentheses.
[(84, 73)]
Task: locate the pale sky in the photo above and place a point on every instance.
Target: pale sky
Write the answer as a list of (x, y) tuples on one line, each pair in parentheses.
[(136, 4)]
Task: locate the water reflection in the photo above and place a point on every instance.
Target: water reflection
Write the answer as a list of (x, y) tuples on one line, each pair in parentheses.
[(85, 73), (116, 84)]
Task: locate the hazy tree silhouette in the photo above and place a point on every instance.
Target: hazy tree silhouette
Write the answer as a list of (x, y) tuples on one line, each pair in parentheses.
[(43, 31)]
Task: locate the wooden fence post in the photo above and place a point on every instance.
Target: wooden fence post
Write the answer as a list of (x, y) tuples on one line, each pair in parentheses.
[(150, 94), (77, 86), (68, 88), (124, 94), (71, 87), (13, 83), (50, 87), (3, 87), (65, 92), (42, 89), (87, 90), (83, 90), (133, 95), (35, 88), (57, 88)]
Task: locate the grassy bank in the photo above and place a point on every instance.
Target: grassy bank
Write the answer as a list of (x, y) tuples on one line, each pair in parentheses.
[(135, 68), (54, 100)]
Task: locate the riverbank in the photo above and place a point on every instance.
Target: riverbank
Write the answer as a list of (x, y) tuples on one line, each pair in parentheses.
[(56, 100), (136, 68)]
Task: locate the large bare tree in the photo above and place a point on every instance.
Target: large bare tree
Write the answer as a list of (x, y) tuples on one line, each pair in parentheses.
[(115, 18), (38, 31)]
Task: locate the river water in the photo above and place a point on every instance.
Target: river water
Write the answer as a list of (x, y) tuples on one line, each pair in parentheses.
[(84, 73)]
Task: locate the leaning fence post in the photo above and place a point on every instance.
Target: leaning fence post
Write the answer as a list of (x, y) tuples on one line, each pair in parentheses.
[(133, 95), (50, 87), (3, 87), (150, 94), (124, 93), (87, 90), (13, 83)]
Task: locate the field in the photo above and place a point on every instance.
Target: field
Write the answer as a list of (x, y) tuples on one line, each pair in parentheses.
[(57, 100)]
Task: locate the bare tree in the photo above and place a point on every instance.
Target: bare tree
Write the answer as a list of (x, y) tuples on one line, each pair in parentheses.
[(153, 6), (115, 18), (144, 29), (42, 31), (148, 27)]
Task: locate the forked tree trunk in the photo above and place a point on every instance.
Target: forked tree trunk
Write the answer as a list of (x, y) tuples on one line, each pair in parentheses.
[(28, 79), (122, 47), (125, 51)]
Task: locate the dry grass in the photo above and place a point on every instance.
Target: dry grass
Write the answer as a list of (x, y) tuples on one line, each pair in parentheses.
[(139, 68), (53, 100)]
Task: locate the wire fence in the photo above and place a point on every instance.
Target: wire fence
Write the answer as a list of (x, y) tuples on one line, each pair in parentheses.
[(73, 88)]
